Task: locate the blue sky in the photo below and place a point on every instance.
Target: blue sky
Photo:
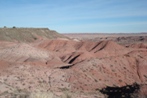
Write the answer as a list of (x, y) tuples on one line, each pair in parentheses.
[(76, 16)]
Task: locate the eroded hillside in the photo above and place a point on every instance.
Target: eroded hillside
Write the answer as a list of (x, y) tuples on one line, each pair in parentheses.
[(63, 68)]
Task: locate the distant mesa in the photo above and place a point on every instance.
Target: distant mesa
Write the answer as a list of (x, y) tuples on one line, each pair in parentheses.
[(27, 34)]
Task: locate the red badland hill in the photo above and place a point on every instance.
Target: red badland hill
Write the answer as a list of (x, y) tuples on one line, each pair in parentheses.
[(62, 67)]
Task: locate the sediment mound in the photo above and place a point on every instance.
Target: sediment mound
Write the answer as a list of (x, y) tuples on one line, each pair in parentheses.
[(73, 51), (23, 51)]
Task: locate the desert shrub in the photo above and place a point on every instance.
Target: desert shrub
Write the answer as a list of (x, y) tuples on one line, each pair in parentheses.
[(5, 27), (13, 27)]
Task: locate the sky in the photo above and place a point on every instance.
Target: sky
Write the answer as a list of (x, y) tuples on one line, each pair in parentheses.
[(76, 16)]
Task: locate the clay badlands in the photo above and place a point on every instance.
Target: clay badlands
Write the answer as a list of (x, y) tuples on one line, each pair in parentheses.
[(41, 63)]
